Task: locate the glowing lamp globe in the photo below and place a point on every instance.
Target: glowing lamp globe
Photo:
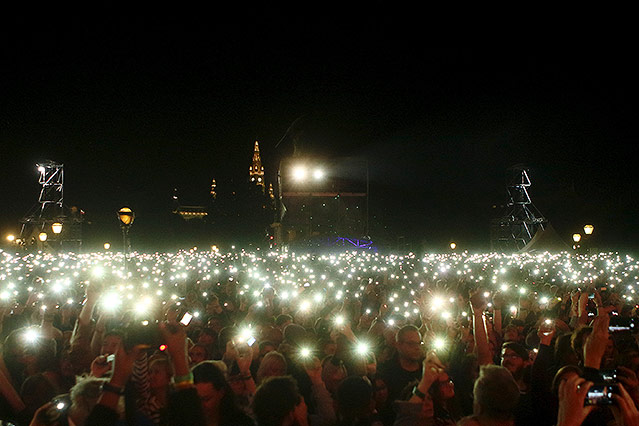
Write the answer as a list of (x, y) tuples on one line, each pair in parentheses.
[(453, 246), (588, 229), (56, 228), (42, 236), (299, 173), (576, 237), (107, 246), (11, 238), (126, 216)]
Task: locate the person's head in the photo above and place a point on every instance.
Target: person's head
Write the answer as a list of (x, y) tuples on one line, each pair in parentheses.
[(207, 337), (283, 320), (495, 394), (212, 388), (84, 396), (273, 365), (327, 347), (294, 334), (380, 391), (213, 307), (511, 334), (514, 357), (198, 353), (333, 372), (409, 343), (442, 389), (159, 373), (354, 399), (278, 402), (215, 323), (110, 342), (564, 353)]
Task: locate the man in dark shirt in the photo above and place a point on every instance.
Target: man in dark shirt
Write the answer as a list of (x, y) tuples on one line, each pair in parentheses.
[(406, 366)]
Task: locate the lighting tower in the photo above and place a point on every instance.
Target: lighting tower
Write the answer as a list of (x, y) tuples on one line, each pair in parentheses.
[(522, 220), (49, 207), (256, 171)]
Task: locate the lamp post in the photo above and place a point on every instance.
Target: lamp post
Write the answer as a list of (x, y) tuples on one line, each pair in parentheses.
[(588, 229), (453, 245), (126, 217)]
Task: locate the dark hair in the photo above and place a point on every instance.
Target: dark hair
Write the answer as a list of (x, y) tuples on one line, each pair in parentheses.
[(518, 348), (282, 318), (354, 396), (208, 372), (406, 329), (275, 399)]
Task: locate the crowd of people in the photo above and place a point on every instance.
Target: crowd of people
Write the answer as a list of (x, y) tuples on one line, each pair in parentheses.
[(337, 339)]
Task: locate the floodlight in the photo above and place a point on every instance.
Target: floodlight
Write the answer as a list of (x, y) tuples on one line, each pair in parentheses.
[(299, 173)]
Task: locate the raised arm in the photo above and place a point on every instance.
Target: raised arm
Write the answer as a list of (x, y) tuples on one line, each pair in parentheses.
[(478, 305)]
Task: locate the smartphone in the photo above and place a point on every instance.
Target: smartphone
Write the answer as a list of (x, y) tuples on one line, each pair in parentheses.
[(591, 296), (608, 376), (250, 341), (110, 358), (186, 319), (601, 394), (621, 324)]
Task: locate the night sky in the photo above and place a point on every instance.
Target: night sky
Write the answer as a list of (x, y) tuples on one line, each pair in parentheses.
[(135, 107)]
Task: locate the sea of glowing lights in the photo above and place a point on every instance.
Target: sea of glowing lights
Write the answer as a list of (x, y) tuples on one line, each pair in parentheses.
[(308, 281)]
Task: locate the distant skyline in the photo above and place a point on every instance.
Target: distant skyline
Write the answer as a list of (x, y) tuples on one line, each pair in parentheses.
[(137, 107)]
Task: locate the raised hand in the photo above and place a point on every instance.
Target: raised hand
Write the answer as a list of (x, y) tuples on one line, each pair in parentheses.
[(596, 342), (572, 394), (624, 409), (100, 366)]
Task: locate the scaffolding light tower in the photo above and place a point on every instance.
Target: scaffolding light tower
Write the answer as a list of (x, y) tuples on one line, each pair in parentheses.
[(522, 219), (50, 205)]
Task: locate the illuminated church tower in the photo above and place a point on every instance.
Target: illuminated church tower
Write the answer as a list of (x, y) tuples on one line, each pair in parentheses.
[(256, 171)]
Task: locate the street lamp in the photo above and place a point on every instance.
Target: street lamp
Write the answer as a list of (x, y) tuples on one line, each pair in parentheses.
[(576, 237), (453, 245), (42, 236), (56, 228), (126, 217), (11, 238), (107, 246), (588, 229)]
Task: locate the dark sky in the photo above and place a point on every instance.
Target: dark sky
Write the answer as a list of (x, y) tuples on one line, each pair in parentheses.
[(135, 106)]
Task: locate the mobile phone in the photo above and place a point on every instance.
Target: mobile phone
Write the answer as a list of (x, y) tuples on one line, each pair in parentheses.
[(621, 324), (608, 376), (250, 341), (601, 394), (591, 296), (186, 319), (110, 358)]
